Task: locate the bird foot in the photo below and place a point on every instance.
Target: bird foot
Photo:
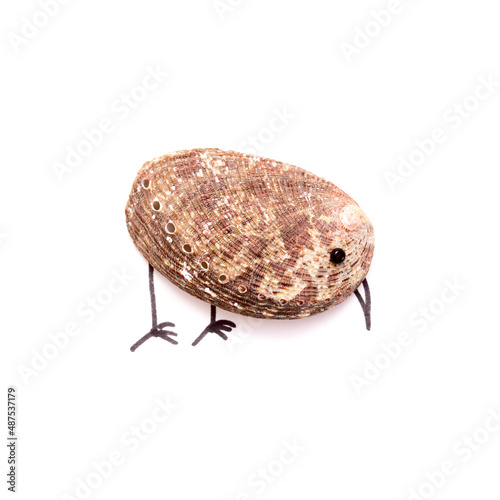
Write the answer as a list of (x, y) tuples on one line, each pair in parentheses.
[(157, 331), (218, 327)]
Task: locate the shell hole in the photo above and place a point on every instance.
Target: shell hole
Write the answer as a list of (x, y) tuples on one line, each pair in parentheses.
[(223, 278), (170, 227), (204, 265), (261, 296), (187, 248), (283, 302), (156, 205), (242, 289), (300, 302), (145, 183)]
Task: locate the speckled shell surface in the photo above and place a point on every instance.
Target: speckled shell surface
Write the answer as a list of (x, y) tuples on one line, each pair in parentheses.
[(248, 234)]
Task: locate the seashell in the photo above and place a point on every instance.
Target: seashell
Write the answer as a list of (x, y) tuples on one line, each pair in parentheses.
[(250, 235)]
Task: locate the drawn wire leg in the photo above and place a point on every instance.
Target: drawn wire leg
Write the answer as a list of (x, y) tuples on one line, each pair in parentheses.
[(218, 327), (366, 304), (157, 330)]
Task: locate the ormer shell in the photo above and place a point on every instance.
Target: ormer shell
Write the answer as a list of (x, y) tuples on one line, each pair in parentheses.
[(248, 234)]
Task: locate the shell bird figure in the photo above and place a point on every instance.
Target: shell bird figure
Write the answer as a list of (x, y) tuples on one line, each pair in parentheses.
[(250, 235)]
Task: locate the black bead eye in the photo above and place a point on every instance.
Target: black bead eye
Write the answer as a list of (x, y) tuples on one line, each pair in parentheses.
[(337, 256)]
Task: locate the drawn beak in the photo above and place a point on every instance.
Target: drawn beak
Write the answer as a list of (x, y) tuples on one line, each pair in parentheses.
[(366, 303)]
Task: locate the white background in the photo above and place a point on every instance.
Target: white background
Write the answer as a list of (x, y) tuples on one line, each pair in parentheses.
[(362, 432)]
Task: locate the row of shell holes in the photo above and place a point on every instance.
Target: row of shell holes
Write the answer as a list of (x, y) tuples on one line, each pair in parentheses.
[(171, 229)]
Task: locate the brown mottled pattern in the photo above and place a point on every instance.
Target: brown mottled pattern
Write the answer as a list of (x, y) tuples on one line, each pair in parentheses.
[(266, 230)]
